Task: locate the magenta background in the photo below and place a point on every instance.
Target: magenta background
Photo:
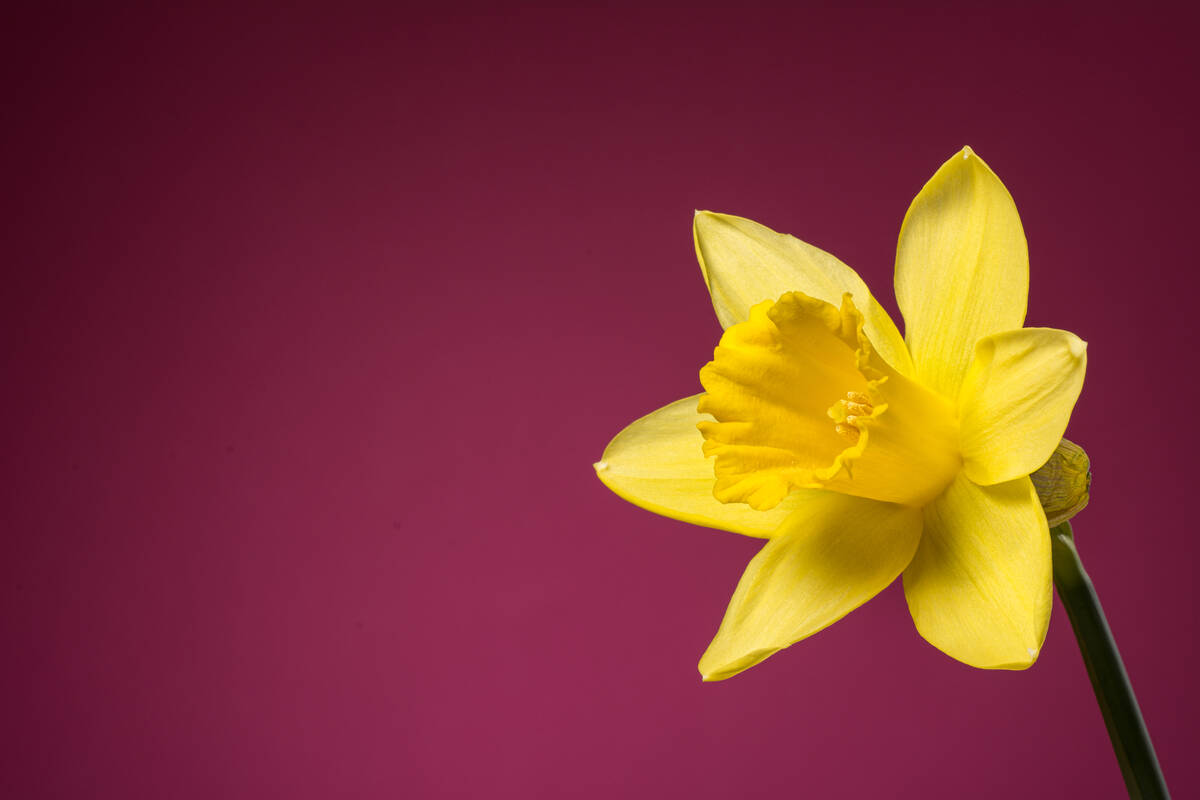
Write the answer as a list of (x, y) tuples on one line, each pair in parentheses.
[(315, 320)]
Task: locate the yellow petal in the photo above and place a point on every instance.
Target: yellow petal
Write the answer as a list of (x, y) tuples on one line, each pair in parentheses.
[(962, 269), (832, 555), (979, 587), (1016, 401), (801, 401), (745, 263), (657, 463)]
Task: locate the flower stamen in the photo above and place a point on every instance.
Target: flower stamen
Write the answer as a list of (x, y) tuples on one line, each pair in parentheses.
[(846, 413)]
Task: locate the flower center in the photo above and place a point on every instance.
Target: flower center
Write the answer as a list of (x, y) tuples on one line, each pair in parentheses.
[(775, 382), (846, 413)]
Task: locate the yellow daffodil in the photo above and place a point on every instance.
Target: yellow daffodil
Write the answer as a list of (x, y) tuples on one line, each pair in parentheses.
[(860, 455)]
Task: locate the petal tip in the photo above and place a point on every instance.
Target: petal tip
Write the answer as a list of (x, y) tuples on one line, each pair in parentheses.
[(1019, 664), (713, 669)]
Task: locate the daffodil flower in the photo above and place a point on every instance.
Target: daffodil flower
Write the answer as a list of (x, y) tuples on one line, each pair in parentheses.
[(861, 455)]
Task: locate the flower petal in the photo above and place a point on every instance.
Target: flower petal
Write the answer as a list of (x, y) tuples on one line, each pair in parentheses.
[(657, 463), (745, 263), (1016, 401), (979, 587), (832, 555), (962, 269)]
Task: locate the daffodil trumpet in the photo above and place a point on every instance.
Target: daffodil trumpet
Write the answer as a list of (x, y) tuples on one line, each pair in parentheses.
[(861, 455)]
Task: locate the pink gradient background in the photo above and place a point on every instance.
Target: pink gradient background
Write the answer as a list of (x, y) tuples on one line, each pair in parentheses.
[(315, 320)]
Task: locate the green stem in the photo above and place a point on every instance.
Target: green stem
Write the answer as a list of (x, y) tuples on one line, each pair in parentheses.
[(1114, 694)]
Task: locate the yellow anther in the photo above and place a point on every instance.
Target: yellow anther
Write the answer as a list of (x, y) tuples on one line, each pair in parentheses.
[(846, 414), (849, 431)]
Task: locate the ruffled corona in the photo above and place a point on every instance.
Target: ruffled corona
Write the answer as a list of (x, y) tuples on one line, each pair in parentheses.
[(801, 399)]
